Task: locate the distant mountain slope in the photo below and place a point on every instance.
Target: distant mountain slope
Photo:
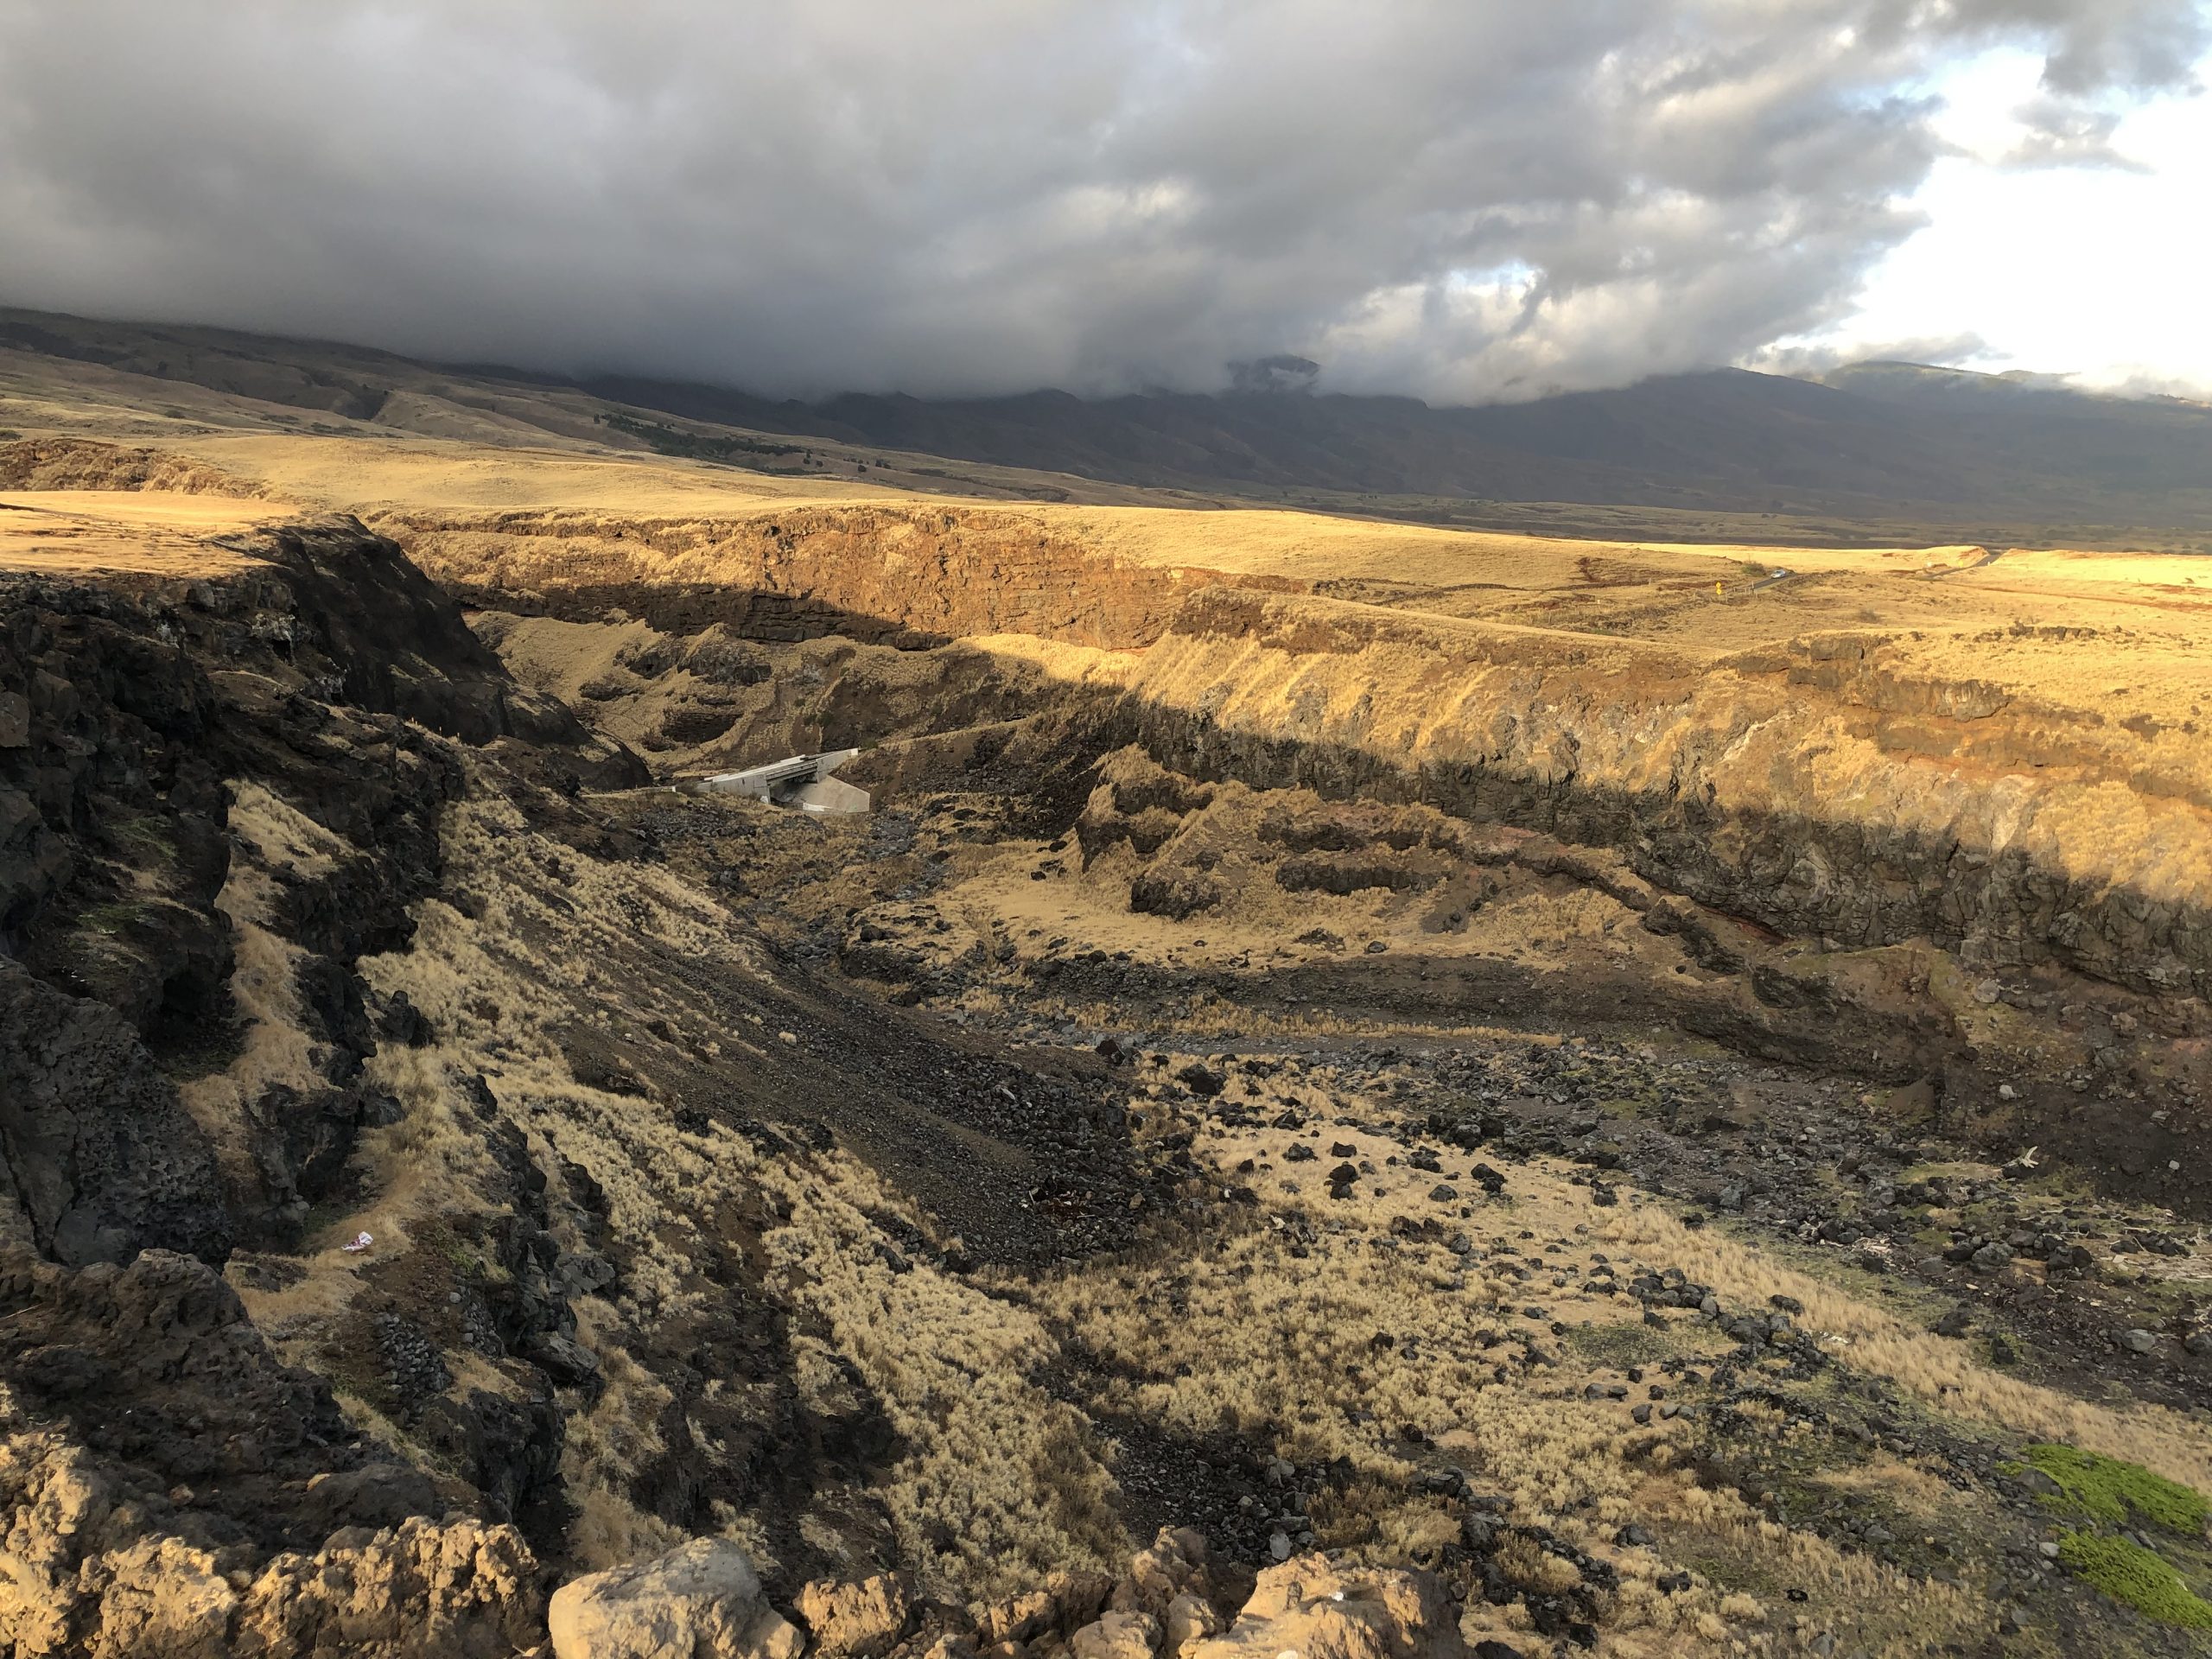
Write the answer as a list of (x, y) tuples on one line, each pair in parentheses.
[(1886, 444), (1872, 440), (2120, 443)]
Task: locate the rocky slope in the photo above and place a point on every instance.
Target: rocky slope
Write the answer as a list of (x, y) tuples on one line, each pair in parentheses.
[(1387, 1110), (1837, 793), (184, 1079), (1895, 841)]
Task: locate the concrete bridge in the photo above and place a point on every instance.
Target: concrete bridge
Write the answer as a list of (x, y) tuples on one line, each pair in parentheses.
[(801, 781)]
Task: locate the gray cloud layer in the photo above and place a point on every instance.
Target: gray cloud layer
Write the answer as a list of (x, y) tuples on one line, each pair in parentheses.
[(980, 195)]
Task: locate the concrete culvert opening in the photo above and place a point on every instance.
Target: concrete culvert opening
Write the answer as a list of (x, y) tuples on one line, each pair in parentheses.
[(802, 781)]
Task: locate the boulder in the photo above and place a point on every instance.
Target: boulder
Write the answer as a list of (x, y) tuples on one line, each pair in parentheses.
[(164, 1597), (1176, 1565), (1319, 1611), (1201, 1080), (1117, 1636), (702, 1601), (1062, 1603), (422, 1590), (856, 1621), (1190, 1620), (375, 1495)]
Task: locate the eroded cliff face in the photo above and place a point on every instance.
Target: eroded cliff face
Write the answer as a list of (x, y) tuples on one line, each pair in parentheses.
[(134, 712), (1914, 872), (902, 573), (1967, 859), (712, 700), (87, 464), (216, 797), (1836, 790)]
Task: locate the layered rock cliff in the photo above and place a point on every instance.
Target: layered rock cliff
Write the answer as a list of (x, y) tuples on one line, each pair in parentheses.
[(1838, 788), (895, 572)]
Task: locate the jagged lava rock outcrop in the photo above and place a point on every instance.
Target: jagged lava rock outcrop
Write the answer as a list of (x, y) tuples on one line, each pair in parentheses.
[(701, 1599), (704, 1600), (170, 1489), (168, 1485)]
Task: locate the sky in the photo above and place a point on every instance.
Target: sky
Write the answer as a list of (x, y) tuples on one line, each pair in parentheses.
[(2096, 270), (1464, 200)]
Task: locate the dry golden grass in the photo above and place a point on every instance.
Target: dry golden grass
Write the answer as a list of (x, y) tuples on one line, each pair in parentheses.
[(1016, 1478), (1944, 1375), (1000, 1483), (607, 1445), (81, 532), (1266, 1343), (1279, 1345), (373, 475)]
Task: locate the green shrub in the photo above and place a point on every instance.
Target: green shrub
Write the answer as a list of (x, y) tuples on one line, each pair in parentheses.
[(2107, 1490), (2128, 1572)]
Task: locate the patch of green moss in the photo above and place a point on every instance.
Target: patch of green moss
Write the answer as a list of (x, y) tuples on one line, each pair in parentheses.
[(147, 835), (464, 1260), (2114, 1492), (110, 917), (2130, 1573), (1620, 1346)]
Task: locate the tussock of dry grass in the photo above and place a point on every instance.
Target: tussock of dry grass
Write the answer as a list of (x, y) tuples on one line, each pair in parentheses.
[(605, 1447), (1003, 1483)]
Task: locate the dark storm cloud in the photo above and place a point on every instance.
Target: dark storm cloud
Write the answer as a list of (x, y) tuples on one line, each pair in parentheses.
[(1462, 199)]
